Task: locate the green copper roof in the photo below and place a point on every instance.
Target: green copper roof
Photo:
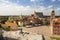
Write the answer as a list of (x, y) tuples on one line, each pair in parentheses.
[(40, 14)]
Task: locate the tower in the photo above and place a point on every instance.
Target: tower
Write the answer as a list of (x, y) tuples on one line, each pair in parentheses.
[(52, 14), (52, 17)]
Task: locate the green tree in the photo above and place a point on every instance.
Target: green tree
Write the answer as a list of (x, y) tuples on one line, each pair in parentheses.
[(3, 21), (7, 28)]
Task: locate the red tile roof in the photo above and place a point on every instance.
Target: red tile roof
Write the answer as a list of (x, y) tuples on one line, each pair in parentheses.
[(11, 24), (58, 20)]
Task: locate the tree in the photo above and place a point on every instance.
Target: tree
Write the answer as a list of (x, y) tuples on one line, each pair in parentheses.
[(3, 21), (7, 28)]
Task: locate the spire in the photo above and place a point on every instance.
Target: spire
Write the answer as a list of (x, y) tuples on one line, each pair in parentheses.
[(53, 11)]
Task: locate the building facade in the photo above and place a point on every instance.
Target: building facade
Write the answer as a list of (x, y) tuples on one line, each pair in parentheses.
[(56, 27), (55, 24), (52, 20)]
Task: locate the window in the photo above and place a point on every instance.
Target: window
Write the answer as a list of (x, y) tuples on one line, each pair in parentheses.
[(59, 31), (59, 27), (54, 32)]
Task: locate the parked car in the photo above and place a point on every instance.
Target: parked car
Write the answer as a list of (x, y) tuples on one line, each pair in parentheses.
[(29, 26)]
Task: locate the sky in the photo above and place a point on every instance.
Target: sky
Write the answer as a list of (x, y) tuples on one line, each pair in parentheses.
[(27, 7)]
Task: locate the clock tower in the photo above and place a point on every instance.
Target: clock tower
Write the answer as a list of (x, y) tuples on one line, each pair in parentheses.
[(52, 21)]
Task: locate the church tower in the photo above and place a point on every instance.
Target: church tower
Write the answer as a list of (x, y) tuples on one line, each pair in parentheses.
[(52, 14), (52, 22)]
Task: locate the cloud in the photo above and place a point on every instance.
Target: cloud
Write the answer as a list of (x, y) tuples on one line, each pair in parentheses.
[(58, 9), (50, 6), (15, 10), (32, 0), (7, 8), (58, 0), (41, 8), (36, 0), (53, 0), (49, 9)]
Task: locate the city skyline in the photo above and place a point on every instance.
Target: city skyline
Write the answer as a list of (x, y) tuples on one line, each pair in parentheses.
[(27, 7)]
